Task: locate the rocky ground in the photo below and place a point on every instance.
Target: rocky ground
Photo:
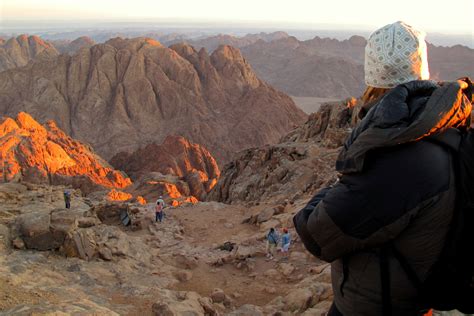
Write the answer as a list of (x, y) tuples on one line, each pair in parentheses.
[(83, 261), (206, 258)]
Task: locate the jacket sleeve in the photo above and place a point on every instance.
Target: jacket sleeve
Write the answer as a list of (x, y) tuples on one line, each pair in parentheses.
[(360, 212), (300, 221)]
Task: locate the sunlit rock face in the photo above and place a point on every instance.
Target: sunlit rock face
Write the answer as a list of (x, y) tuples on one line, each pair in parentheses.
[(43, 153), (127, 93), (178, 169), (115, 195), (18, 51), (299, 165)]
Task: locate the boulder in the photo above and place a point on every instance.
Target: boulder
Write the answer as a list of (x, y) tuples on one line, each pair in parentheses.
[(183, 275), (178, 304), (105, 253), (286, 268), (272, 273), (218, 296), (265, 215), (18, 243), (109, 213), (185, 261), (64, 222), (80, 243), (319, 309), (208, 307), (247, 310), (298, 300), (273, 223), (35, 230)]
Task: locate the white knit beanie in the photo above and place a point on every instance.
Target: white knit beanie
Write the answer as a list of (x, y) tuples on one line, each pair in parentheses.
[(395, 54)]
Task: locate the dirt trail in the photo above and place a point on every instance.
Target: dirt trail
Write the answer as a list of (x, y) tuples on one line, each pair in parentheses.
[(209, 226)]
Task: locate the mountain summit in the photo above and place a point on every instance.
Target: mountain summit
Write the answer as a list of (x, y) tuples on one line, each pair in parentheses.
[(127, 93), (38, 153), (18, 51)]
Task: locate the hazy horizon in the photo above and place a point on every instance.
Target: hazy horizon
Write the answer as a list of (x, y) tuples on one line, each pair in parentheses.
[(303, 14)]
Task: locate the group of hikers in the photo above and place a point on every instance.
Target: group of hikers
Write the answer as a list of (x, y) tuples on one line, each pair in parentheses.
[(397, 226), (274, 239)]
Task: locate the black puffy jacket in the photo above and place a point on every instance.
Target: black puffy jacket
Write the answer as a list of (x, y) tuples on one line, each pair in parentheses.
[(397, 186)]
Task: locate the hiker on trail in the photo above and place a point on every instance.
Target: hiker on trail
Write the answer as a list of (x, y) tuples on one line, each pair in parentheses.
[(159, 209), (285, 242), (67, 198), (395, 199), (272, 242)]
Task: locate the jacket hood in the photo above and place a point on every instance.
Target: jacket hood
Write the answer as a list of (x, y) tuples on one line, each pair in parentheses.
[(407, 113)]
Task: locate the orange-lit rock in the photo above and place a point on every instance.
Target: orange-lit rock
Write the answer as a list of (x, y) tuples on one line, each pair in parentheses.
[(38, 153), (194, 167), (191, 200), (115, 195), (187, 200), (141, 200)]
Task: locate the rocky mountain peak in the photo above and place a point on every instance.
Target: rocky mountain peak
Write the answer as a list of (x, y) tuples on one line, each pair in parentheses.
[(83, 40), (231, 64), (18, 51), (27, 122), (134, 44), (37, 153), (127, 93), (177, 165), (357, 40)]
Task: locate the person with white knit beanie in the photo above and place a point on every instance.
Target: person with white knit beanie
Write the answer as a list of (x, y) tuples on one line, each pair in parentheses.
[(384, 224), (395, 54)]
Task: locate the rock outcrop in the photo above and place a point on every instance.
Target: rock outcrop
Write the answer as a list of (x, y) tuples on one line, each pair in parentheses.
[(18, 51), (297, 166), (193, 167), (36, 153), (127, 93)]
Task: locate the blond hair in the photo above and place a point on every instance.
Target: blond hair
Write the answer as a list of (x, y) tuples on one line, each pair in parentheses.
[(372, 94)]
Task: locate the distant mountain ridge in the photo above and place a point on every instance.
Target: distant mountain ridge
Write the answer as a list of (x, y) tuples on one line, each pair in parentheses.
[(331, 68), (70, 47), (318, 67), (126, 93), (18, 51)]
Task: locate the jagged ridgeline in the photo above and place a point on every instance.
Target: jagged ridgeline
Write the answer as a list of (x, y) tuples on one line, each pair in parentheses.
[(126, 93), (295, 167), (44, 154), (18, 51)]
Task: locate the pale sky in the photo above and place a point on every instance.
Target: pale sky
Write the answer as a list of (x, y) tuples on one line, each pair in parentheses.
[(430, 15)]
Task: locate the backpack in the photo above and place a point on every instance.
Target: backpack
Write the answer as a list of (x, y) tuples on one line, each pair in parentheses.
[(450, 282)]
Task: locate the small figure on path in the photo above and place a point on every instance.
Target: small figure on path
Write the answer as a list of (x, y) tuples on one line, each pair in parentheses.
[(272, 242), (159, 207), (285, 242), (67, 198)]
